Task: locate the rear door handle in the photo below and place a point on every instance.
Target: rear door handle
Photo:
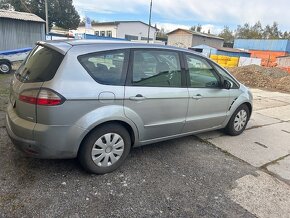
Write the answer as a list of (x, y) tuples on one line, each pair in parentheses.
[(137, 98), (197, 97)]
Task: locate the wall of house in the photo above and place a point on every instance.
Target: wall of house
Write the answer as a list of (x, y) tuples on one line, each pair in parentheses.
[(136, 31), (180, 39), (112, 28), (200, 40), (283, 61), (16, 34)]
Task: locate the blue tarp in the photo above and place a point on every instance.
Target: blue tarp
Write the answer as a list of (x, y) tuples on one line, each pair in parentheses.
[(15, 51)]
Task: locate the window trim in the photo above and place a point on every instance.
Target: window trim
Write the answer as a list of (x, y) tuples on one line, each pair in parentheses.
[(215, 65), (217, 75), (129, 79), (124, 69)]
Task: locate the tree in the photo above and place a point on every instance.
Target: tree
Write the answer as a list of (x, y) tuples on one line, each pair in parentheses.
[(273, 32), (256, 31), (161, 35), (198, 28), (227, 35), (193, 28), (5, 5), (83, 22), (61, 13)]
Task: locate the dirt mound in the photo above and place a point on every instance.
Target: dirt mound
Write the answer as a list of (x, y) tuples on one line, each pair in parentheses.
[(274, 79)]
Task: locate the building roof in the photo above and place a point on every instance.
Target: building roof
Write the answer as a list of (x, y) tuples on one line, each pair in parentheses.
[(226, 49), (196, 33), (16, 15), (115, 23), (234, 50)]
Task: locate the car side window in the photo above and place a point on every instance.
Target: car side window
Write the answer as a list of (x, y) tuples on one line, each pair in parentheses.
[(105, 67), (201, 73), (222, 72), (156, 68)]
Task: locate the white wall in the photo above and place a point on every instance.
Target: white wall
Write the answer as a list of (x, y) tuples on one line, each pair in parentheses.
[(180, 40), (106, 28), (136, 29), (244, 61)]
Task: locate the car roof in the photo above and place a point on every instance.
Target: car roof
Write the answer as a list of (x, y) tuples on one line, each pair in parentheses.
[(63, 46)]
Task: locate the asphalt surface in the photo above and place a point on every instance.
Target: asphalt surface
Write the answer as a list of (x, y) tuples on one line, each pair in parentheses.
[(179, 178)]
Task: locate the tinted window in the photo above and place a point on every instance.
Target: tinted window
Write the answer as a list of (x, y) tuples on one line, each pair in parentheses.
[(201, 74), (227, 76), (40, 65), (105, 67), (156, 68)]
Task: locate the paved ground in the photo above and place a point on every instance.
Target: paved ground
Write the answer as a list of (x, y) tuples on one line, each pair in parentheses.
[(266, 145), (214, 176), (178, 178)]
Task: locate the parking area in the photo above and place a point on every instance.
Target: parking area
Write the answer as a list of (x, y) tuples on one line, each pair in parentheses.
[(209, 175)]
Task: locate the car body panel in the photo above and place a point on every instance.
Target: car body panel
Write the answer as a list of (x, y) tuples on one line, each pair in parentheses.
[(208, 110), (164, 113)]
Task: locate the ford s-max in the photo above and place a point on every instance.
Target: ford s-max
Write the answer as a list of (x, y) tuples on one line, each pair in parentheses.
[(95, 100)]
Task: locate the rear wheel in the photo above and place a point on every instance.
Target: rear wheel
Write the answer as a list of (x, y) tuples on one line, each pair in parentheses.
[(238, 121), (105, 149), (5, 67)]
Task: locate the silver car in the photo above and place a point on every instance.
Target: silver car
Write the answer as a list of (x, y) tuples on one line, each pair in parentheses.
[(96, 99)]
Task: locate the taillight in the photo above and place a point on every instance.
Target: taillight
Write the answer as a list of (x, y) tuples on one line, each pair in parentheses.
[(44, 97)]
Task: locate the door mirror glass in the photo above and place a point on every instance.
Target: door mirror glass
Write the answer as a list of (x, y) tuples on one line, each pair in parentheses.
[(227, 84)]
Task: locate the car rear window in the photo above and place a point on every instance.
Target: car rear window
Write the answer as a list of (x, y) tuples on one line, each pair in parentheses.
[(40, 65)]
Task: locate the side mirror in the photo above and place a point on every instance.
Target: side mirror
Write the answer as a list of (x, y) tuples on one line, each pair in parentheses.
[(227, 84)]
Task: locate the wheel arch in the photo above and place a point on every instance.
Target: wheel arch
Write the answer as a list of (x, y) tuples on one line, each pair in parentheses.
[(131, 130)]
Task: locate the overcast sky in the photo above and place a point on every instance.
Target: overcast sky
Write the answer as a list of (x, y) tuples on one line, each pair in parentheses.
[(170, 14)]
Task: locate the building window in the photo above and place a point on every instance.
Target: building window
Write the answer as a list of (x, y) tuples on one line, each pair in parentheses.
[(109, 33), (97, 33), (145, 38), (131, 37), (102, 33)]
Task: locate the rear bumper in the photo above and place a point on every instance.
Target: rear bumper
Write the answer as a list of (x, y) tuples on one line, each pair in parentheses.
[(43, 141)]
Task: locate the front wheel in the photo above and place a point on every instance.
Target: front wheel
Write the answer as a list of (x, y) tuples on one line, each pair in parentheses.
[(238, 121), (105, 149)]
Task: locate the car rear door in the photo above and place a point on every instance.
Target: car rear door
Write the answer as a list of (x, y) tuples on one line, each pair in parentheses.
[(208, 102), (156, 97)]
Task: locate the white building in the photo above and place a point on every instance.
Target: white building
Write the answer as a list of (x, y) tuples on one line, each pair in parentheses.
[(131, 30)]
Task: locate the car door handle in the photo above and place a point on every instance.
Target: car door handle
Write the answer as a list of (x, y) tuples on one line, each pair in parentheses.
[(137, 98), (197, 97)]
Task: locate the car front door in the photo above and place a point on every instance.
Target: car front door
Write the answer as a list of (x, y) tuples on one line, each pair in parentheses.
[(156, 97), (208, 102)]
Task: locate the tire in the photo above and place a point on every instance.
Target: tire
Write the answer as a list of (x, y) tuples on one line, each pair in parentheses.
[(238, 121), (5, 67), (106, 157)]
